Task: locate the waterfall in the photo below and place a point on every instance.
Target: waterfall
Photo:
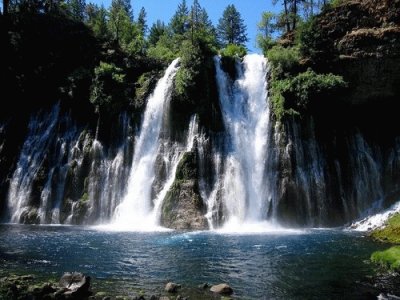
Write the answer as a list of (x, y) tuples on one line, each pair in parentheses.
[(245, 108), (108, 174), (42, 158), (136, 208), (252, 175), (64, 176)]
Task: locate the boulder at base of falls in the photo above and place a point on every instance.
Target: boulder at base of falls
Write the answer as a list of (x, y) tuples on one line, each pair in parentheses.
[(183, 207), (76, 285), (222, 289), (171, 287)]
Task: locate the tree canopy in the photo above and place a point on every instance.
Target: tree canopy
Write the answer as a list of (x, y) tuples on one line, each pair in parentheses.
[(231, 28)]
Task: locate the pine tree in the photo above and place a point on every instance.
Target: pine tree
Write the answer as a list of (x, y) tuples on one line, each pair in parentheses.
[(179, 21), (231, 28), (141, 21), (199, 17), (266, 28), (76, 9), (205, 19), (125, 5), (97, 20), (195, 14), (156, 31), (120, 23)]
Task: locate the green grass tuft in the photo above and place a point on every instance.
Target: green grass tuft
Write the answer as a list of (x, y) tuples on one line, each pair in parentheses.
[(388, 259)]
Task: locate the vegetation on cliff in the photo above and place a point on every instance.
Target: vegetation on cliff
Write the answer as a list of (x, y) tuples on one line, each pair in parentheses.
[(355, 40), (296, 85), (390, 233)]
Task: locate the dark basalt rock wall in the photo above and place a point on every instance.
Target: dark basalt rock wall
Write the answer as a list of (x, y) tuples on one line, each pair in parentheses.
[(183, 207)]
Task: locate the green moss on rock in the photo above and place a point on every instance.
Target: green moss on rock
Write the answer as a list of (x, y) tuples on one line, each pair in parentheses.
[(390, 233), (187, 167), (183, 207)]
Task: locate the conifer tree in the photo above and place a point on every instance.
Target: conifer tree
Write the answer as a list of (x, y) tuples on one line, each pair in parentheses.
[(179, 21), (76, 9), (141, 21), (231, 28)]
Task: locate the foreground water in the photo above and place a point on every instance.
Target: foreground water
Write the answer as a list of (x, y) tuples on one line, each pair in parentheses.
[(292, 264)]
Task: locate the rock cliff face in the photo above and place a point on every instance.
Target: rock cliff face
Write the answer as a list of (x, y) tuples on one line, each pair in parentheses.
[(360, 40), (183, 207), (341, 158)]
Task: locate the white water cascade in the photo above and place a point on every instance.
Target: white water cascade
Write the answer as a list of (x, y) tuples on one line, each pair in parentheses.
[(136, 211), (245, 109), (41, 132)]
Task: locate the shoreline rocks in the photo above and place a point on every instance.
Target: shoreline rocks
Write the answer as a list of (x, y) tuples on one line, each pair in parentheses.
[(77, 286), (72, 286), (222, 289)]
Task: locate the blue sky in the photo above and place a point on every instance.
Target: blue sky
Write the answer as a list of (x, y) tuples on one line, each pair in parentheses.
[(164, 9)]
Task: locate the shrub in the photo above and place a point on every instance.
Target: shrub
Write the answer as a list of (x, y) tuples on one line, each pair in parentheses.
[(190, 64), (166, 49), (108, 86), (294, 94), (278, 87), (283, 59), (160, 52), (143, 88), (233, 50), (309, 84)]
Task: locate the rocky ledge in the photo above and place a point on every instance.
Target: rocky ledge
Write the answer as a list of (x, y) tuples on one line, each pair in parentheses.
[(360, 40)]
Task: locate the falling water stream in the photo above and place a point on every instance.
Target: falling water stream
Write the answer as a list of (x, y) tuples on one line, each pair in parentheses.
[(245, 109)]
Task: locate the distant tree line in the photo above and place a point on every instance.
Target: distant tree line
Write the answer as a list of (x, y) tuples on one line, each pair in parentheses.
[(119, 24)]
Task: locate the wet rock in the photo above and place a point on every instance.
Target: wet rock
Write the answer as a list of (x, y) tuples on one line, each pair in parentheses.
[(48, 288), (183, 207), (172, 287), (222, 289), (27, 277), (39, 291), (100, 295), (204, 286), (77, 285), (60, 291)]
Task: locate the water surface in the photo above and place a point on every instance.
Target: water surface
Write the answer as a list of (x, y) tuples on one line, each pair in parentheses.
[(293, 265)]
